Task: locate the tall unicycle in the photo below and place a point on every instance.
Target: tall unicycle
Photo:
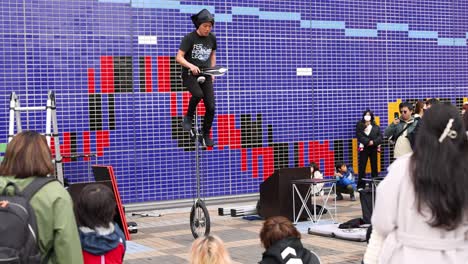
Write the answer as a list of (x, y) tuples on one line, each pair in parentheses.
[(199, 217)]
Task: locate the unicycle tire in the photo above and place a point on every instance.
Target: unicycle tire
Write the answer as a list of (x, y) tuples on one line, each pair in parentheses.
[(199, 220)]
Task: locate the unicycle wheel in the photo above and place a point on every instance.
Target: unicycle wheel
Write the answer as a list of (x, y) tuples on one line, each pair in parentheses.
[(199, 219)]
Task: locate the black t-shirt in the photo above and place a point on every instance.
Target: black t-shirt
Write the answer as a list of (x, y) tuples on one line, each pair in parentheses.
[(198, 49)]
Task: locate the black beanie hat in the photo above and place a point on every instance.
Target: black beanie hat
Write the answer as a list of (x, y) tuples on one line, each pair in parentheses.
[(202, 17)]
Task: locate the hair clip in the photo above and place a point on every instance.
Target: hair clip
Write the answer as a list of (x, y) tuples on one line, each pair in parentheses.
[(448, 132)]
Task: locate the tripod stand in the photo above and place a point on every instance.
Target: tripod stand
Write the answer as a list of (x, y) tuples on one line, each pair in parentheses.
[(199, 217)]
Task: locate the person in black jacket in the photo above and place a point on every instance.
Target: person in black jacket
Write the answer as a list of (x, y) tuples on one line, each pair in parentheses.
[(369, 138), (283, 244)]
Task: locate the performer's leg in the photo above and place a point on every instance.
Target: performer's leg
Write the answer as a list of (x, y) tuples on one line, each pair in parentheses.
[(193, 86), (209, 101), (373, 161)]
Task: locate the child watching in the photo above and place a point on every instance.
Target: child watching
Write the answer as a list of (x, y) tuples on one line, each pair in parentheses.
[(344, 182), (102, 240)]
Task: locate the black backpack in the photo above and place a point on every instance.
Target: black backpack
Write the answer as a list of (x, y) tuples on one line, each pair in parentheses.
[(367, 197), (18, 228)]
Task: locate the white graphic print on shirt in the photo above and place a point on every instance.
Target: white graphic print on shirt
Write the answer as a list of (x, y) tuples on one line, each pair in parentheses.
[(201, 53)]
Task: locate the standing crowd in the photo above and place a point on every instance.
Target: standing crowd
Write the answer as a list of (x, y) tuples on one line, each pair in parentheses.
[(420, 214)]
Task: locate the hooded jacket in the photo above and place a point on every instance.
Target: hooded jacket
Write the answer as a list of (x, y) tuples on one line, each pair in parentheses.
[(288, 249), (102, 245)]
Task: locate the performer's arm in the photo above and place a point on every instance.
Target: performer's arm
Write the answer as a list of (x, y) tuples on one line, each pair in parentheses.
[(213, 58), (182, 61), (213, 61)]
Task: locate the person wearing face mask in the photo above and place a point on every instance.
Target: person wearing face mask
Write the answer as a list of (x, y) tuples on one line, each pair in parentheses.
[(369, 140), (401, 129)]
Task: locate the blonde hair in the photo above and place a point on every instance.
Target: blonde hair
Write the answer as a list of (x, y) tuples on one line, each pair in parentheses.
[(209, 250)]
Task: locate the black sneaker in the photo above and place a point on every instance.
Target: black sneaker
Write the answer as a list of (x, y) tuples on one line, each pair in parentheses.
[(187, 123), (206, 141), (339, 197)]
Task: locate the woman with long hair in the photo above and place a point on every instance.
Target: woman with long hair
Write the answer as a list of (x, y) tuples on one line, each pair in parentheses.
[(421, 209), (26, 159), (369, 140), (315, 173)]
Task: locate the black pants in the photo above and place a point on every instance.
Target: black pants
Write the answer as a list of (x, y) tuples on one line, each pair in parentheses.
[(201, 91), (364, 155), (348, 189)]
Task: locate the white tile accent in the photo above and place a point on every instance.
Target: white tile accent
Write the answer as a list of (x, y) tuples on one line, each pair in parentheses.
[(304, 71), (147, 40)]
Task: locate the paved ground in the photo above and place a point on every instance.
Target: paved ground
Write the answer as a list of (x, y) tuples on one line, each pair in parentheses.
[(167, 239)]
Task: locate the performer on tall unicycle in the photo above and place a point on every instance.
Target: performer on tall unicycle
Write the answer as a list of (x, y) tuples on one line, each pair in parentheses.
[(197, 51)]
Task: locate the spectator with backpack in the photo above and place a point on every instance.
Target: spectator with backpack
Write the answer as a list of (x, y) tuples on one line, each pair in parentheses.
[(102, 240), (282, 243), (420, 215), (52, 234)]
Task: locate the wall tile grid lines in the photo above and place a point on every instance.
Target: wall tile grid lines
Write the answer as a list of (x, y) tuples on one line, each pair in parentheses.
[(300, 75)]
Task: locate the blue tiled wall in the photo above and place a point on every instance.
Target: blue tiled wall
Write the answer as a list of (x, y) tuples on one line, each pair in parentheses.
[(363, 54)]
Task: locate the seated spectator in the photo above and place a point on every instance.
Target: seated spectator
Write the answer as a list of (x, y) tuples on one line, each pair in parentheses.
[(102, 240), (28, 157), (464, 114), (316, 174), (282, 243), (420, 215), (345, 182), (209, 250)]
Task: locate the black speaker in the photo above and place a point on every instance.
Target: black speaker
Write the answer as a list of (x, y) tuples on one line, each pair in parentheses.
[(276, 193)]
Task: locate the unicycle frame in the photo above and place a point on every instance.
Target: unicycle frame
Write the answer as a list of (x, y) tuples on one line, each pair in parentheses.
[(198, 218), (197, 154)]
